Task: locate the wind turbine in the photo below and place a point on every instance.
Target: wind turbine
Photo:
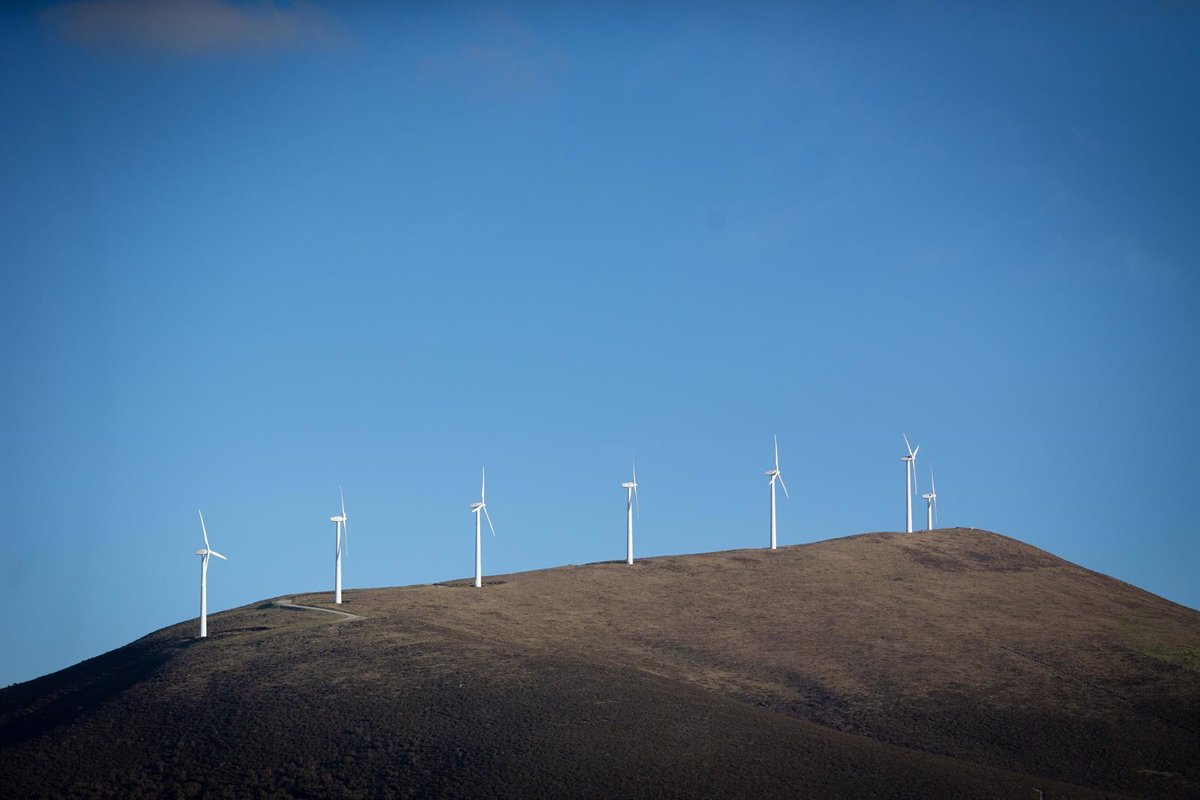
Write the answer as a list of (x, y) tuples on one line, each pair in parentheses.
[(339, 532), (630, 488), (910, 480), (204, 554), (931, 499), (476, 508), (774, 474)]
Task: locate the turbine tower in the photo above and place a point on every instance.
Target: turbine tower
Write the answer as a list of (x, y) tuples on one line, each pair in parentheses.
[(204, 554), (931, 499), (774, 474), (630, 488), (476, 508), (910, 481), (339, 533)]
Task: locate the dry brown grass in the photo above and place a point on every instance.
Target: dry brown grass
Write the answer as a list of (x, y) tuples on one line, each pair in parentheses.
[(956, 663)]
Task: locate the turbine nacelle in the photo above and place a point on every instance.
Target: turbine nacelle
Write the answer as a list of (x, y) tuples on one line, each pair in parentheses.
[(910, 462), (775, 474), (932, 496), (341, 544), (207, 551), (631, 486), (481, 506), (342, 499)]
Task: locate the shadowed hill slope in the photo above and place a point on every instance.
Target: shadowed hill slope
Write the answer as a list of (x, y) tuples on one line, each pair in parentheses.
[(956, 663)]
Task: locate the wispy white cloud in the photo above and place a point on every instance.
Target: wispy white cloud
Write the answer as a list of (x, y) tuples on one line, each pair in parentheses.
[(193, 27)]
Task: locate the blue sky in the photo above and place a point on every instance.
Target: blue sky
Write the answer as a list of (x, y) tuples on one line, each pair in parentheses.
[(251, 251)]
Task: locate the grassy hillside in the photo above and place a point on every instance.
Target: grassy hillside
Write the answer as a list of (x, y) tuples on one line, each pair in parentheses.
[(957, 663)]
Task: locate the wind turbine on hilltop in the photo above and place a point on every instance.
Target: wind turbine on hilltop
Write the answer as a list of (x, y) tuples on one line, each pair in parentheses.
[(775, 474), (630, 488), (204, 554), (931, 499), (476, 509), (910, 481), (339, 533)]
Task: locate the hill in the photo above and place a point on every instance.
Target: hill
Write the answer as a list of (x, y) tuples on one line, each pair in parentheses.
[(957, 663)]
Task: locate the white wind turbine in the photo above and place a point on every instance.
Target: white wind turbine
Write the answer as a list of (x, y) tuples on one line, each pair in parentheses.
[(910, 480), (630, 488), (775, 474), (476, 509), (931, 499), (204, 554), (339, 533)]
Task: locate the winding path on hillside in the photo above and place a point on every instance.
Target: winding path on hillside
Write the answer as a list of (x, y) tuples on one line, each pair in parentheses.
[(346, 616)]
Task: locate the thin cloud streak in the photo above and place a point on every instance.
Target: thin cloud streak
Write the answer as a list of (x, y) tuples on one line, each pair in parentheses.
[(500, 53), (193, 27)]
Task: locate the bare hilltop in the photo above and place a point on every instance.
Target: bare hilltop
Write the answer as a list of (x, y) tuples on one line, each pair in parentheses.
[(944, 664)]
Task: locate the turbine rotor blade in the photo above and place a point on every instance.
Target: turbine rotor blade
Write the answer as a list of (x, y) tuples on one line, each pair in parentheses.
[(636, 503), (776, 453), (345, 527), (489, 519), (784, 485), (218, 555), (203, 530), (483, 487), (907, 445)]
